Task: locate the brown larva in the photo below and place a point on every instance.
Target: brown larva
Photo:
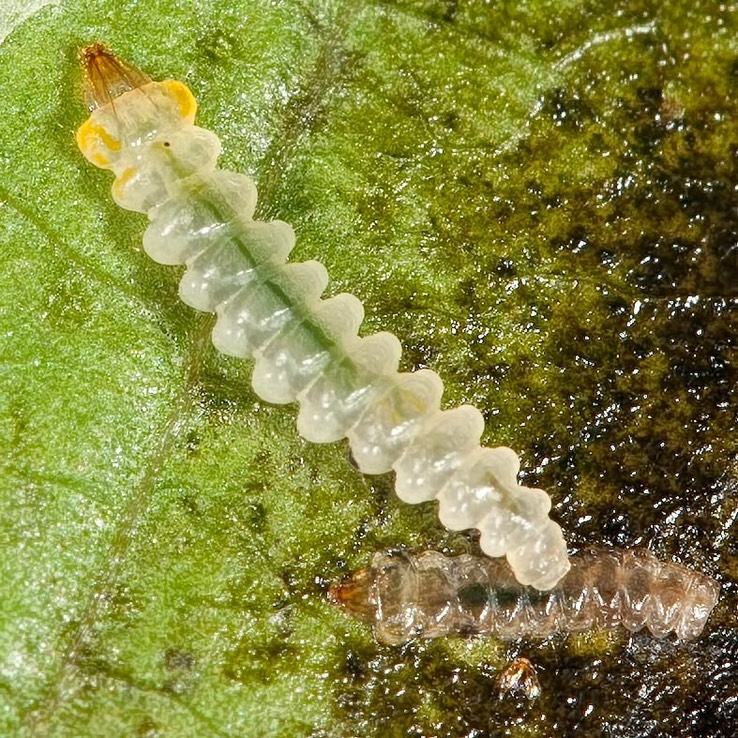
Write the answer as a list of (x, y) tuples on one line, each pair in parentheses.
[(407, 595)]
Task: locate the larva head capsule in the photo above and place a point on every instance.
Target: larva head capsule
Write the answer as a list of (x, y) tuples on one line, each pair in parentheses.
[(141, 130), (387, 596), (107, 76), (356, 595)]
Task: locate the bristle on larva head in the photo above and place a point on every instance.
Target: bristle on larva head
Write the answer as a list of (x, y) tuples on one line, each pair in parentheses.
[(106, 76)]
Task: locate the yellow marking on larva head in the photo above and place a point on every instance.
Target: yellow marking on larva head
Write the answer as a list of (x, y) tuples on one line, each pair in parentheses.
[(99, 160), (93, 139), (122, 180), (184, 97)]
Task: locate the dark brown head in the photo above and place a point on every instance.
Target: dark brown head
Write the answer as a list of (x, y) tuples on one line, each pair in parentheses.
[(356, 595), (106, 76)]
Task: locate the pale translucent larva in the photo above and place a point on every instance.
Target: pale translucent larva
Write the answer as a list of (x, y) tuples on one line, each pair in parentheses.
[(425, 595), (305, 348)]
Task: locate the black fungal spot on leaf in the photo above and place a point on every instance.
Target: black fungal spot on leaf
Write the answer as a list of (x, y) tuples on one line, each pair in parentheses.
[(259, 662), (178, 660), (218, 46), (148, 728), (567, 110)]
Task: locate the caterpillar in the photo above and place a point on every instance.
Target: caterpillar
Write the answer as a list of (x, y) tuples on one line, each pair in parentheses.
[(425, 595), (305, 348)]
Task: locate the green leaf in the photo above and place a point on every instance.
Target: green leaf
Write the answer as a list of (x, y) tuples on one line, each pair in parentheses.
[(539, 200)]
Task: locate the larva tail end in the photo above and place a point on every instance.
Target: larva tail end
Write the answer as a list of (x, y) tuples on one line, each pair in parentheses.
[(355, 595), (106, 76)]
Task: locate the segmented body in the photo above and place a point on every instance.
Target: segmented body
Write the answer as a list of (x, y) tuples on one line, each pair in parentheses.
[(305, 348), (425, 595)]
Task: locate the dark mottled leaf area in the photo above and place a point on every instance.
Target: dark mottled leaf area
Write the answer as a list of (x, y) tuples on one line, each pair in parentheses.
[(540, 199)]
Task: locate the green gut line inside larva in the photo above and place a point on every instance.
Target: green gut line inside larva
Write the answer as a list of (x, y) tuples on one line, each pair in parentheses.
[(305, 348)]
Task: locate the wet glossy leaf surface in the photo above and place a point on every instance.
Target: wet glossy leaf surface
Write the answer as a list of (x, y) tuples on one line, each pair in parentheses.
[(541, 202)]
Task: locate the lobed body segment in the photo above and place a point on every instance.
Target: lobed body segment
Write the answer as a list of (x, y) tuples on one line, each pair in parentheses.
[(425, 595), (305, 348)]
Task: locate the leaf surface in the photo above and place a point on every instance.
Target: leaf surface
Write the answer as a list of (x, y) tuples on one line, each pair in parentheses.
[(541, 203)]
